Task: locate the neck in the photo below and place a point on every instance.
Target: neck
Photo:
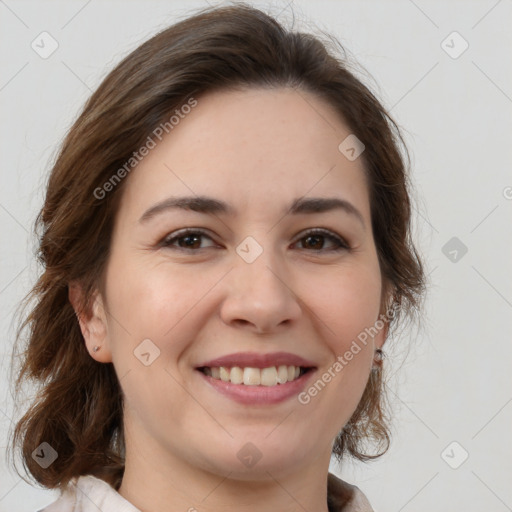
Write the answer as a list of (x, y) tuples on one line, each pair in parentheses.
[(152, 484)]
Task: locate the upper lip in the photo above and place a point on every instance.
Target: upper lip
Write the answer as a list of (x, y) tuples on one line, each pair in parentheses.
[(255, 360)]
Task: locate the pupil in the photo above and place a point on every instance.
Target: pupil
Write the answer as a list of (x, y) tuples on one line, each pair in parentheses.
[(190, 240), (313, 237)]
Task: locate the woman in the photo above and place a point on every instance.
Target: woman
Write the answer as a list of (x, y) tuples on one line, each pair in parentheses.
[(226, 244)]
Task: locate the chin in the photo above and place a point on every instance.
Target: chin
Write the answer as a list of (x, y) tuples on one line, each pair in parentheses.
[(256, 461)]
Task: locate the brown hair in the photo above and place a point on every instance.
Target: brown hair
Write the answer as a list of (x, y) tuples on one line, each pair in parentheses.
[(78, 407)]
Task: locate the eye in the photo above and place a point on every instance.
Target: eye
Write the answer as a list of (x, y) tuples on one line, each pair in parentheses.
[(188, 239), (315, 238)]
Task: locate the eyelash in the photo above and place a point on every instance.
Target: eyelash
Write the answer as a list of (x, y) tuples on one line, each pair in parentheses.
[(167, 242)]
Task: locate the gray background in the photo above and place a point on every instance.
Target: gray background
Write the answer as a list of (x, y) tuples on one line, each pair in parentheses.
[(455, 384)]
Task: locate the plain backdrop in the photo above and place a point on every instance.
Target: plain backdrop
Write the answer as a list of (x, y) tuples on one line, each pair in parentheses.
[(444, 69)]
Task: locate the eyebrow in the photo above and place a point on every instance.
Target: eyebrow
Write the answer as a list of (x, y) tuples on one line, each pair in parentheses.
[(211, 206)]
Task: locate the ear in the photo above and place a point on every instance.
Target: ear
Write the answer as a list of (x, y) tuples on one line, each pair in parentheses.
[(93, 322), (382, 335), (385, 316)]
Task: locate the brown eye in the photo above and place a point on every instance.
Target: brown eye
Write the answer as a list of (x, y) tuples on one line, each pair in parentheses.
[(185, 240), (190, 241), (315, 240)]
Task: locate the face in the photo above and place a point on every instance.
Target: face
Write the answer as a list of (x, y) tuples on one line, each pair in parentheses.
[(253, 280)]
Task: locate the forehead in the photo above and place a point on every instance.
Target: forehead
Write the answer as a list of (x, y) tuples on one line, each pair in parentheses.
[(253, 148)]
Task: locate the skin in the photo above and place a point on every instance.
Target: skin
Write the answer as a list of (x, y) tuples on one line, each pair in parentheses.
[(258, 150)]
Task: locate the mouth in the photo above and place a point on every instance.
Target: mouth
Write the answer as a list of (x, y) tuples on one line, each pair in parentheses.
[(250, 376), (253, 386)]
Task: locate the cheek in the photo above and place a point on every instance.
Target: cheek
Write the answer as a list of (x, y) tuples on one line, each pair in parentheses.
[(157, 302), (347, 301), (348, 310), (347, 306)]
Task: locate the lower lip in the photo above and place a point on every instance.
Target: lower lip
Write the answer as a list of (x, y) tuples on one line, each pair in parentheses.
[(259, 395)]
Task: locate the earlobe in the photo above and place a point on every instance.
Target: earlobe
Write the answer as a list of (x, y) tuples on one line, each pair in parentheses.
[(378, 342), (382, 336), (385, 317), (92, 321)]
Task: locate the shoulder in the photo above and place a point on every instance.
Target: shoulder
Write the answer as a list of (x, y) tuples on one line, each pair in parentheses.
[(66, 502), (88, 493), (345, 497)]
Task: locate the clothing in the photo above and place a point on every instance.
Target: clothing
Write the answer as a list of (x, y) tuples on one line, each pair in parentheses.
[(91, 494)]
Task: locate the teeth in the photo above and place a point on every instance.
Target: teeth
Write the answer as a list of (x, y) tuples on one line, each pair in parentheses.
[(252, 376), (248, 376), (269, 376), (282, 374), (224, 374), (236, 375)]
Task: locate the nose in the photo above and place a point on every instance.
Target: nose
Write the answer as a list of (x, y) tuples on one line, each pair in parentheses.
[(260, 296)]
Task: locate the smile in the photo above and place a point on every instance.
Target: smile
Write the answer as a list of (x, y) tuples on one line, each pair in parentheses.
[(254, 393), (249, 376)]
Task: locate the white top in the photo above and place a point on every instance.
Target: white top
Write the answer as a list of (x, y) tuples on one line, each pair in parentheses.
[(91, 494)]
